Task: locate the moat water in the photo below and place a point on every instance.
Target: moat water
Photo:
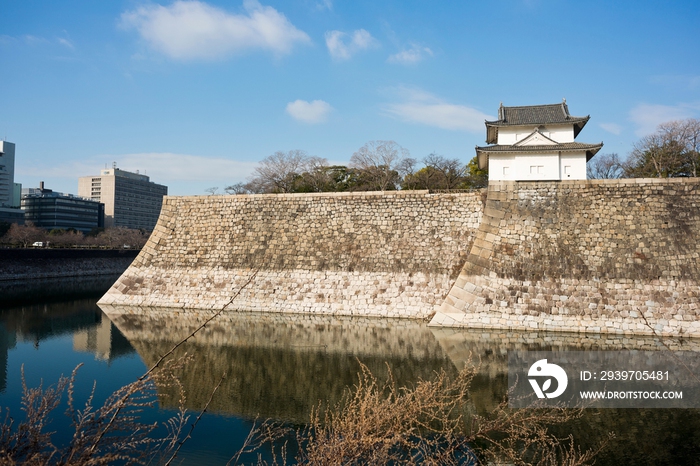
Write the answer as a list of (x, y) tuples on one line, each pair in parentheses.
[(279, 367)]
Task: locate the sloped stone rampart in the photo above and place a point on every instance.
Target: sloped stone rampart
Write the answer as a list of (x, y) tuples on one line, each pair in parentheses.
[(388, 254), (597, 256), (601, 256)]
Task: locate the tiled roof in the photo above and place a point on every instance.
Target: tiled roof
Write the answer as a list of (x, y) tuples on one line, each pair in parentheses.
[(483, 152), (534, 115), (567, 146)]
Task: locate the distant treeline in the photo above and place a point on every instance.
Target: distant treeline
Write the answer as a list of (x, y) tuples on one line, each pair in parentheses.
[(377, 166), (14, 235)]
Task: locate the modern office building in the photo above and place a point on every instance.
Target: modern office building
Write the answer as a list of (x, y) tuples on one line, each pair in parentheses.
[(51, 210), (131, 200), (9, 201)]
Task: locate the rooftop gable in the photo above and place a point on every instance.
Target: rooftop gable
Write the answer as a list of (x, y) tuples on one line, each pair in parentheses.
[(535, 139)]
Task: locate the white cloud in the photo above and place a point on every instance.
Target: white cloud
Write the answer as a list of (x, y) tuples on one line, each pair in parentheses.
[(162, 167), (192, 30), (677, 81), (184, 167), (342, 46), (647, 117), (421, 107), (34, 40), (613, 128), (309, 112), (66, 43), (410, 56), (324, 5)]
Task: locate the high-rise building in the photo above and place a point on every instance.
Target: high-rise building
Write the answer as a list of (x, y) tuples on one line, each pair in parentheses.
[(131, 200), (51, 210), (7, 173), (9, 203)]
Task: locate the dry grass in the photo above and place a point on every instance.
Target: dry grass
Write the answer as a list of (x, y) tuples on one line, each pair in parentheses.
[(432, 423), (102, 435)]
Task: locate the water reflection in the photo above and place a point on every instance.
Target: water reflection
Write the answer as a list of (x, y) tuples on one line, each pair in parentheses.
[(280, 366), (44, 290), (80, 319)]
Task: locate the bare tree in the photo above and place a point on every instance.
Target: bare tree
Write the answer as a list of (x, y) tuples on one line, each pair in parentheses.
[(25, 234), (378, 164), (687, 133), (605, 166), (63, 238), (672, 151), (119, 237), (213, 190), (318, 177), (236, 188), (439, 173), (279, 172), (451, 171)]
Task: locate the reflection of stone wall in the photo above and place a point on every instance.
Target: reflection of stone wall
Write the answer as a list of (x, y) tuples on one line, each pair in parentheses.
[(280, 366), (490, 346), (308, 358), (389, 254), (583, 256), (356, 336)]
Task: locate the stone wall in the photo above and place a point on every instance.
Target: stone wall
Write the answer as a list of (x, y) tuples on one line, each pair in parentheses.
[(387, 254), (615, 256), (33, 264), (597, 256)]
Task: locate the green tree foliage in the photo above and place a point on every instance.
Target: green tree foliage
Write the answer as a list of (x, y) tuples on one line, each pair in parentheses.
[(672, 151), (376, 166), (335, 178), (477, 178), (438, 173), (442, 173)]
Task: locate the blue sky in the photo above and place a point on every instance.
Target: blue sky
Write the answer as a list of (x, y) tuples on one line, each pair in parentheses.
[(195, 93)]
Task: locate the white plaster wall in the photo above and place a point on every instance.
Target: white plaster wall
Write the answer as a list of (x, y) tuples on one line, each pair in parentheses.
[(532, 167), (502, 167), (573, 166), (535, 167), (513, 134)]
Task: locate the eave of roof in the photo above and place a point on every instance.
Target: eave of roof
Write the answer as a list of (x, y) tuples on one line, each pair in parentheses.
[(483, 152)]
